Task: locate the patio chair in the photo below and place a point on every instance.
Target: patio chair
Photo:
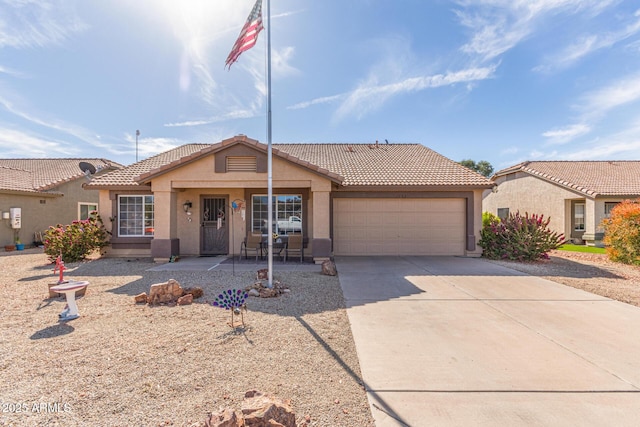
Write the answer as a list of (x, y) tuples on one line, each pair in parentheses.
[(295, 245), (253, 242)]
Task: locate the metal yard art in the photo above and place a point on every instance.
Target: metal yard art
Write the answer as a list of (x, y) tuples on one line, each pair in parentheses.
[(234, 300)]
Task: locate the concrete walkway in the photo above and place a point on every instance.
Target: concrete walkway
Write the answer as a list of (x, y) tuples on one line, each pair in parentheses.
[(463, 342), (226, 263)]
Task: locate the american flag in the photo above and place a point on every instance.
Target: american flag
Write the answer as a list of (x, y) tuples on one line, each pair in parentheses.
[(249, 34)]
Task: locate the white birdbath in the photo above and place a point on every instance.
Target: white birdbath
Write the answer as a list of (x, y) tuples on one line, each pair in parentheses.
[(69, 289)]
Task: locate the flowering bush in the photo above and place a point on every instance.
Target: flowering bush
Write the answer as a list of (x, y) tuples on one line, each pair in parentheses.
[(76, 240), (622, 232), (519, 238)]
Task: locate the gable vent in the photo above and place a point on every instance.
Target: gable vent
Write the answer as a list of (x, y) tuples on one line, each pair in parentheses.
[(241, 164)]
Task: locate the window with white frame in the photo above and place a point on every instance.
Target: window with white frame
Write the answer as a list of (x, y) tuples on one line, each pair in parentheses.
[(578, 217), (608, 206), (135, 216), (287, 212), (85, 210)]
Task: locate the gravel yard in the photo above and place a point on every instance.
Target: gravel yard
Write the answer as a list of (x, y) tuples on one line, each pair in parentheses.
[(122, 364), (590, 272)]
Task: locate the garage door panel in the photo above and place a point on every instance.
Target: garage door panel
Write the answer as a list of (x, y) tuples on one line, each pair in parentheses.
[(399, 226)]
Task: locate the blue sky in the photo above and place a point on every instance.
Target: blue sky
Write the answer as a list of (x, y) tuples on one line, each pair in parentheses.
[(497, 80)]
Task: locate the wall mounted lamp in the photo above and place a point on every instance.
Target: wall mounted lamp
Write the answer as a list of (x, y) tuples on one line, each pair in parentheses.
[(186, 206)]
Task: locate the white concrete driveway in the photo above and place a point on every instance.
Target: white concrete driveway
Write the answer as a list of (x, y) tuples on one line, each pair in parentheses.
[(446, 341)]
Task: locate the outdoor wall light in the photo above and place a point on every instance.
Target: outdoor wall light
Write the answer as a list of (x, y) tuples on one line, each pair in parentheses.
[(186, 206)]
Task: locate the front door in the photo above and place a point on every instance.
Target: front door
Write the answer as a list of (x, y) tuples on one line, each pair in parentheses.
[(214, 237)]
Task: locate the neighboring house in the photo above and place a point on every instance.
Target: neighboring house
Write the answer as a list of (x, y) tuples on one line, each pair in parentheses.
[(352, 199), (577, 195), (47, 191)]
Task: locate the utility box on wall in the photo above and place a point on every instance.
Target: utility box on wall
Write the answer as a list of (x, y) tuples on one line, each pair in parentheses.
[(15, 214)]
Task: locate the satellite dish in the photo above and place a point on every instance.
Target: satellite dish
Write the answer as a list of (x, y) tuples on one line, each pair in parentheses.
[(87, 168)]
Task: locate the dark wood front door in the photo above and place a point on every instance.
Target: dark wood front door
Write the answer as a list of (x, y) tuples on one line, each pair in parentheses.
[(214, 236)]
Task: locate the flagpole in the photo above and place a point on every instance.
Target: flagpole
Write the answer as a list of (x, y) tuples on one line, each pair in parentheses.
[(269, 153)]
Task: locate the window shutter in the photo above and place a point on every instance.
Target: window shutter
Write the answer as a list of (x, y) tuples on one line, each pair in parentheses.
[(241, 164)]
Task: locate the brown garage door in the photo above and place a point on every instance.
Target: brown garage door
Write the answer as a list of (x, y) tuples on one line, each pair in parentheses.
[(399, 226)]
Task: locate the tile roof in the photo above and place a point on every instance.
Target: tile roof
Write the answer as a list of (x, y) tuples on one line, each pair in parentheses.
[(592, 178), (42, 175), (348, 164)]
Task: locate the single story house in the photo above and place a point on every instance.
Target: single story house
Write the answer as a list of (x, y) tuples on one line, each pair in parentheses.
[(577, 195), (345, 199), (47, 192)]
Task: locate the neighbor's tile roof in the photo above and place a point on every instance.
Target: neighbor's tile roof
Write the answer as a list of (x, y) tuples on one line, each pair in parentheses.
[(349, 164), (127, 176), (41, 175), (592, 178)]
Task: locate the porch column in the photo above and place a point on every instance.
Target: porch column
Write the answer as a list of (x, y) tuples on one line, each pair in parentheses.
[(589, 235), (165, 236), (321, 243)]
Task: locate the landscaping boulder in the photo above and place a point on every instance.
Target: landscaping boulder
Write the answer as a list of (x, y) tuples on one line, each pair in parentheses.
[(261, 410), (196, 292), (329, 268), (165, 293), (185, 299), (224, 418), (141, 298)]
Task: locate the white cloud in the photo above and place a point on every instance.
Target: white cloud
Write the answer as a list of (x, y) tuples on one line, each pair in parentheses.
[(234, 115), (317, 101), (75, 131), (18, 144), (595, 105), (588, 44), (37, 23), (623, 91), (499, 25), (370, 95), (148, 147), (566, 134)]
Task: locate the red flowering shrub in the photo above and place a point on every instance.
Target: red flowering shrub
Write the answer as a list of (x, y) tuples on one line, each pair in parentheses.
[(622, 232), (519, 238), (76, 240)]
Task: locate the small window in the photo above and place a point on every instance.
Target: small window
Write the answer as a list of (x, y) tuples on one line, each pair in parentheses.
[(503, 213), (578, 217), (608, 206), (241, 164), (85, 210)]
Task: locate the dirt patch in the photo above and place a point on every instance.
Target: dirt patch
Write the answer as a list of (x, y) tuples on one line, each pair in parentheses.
[(593, 273)]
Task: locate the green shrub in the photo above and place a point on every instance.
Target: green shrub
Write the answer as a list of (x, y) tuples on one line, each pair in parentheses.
[(76, 240), (622, 232), (519, 238), (487, 217)]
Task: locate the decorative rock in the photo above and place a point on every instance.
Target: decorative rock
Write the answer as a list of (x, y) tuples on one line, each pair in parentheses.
[(186, 299), (163, 293), (196, 292), (224, 418), (329, 268), (259, 289), (261, 410), (141, 298), (262, 274)]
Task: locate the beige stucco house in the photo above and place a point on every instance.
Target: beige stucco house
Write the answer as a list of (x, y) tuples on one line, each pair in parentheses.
[(48, 192), (345, 199), (577, 195)]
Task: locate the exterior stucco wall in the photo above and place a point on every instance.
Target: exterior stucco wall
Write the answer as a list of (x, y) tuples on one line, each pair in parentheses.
[(529, 194), (199, 178), (41, 211)]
